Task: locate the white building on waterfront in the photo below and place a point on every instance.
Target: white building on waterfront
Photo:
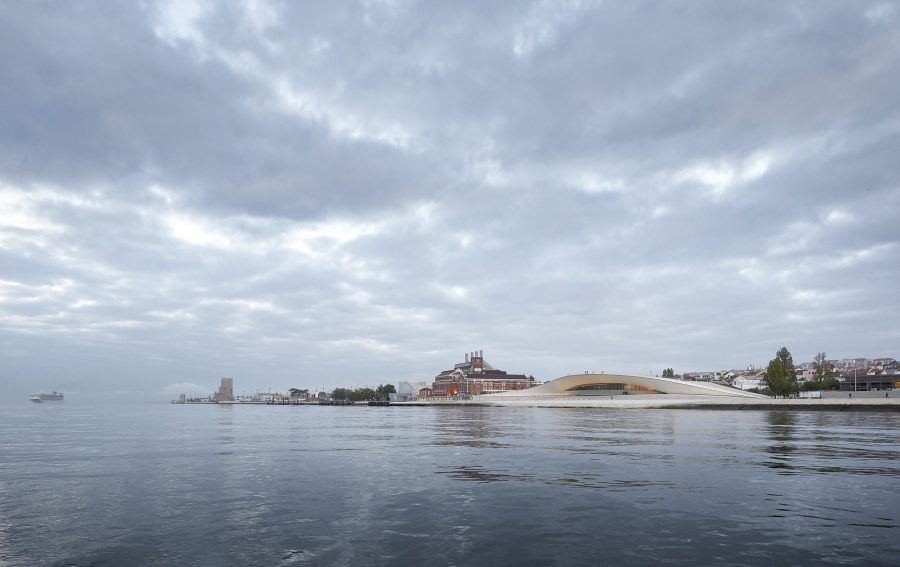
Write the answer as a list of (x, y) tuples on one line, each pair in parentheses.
[(408, 390), (749, 381), (617, 384)]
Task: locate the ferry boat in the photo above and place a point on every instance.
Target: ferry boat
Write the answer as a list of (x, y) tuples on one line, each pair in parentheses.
[(41, 398)]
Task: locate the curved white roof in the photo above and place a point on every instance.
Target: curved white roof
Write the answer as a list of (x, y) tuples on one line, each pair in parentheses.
[(565, 385)]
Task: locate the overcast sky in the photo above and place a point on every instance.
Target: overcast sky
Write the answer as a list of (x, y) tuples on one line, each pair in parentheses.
[(354, 193)]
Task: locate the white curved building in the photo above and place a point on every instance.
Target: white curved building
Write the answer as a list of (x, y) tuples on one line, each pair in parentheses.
[(611, 384)]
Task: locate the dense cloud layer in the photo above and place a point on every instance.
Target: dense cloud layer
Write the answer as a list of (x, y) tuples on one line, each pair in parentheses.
[(358, 193)]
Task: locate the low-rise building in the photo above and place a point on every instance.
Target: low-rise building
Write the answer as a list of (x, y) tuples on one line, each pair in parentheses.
[(806, 374), (301, 395), (886, 377), (850, 363), (750, 380), (408, 390), (269, 397), (699, 376)]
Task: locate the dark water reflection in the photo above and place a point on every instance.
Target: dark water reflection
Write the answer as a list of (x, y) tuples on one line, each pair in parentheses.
[(204, 485)]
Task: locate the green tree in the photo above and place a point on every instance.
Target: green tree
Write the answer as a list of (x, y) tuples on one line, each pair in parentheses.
[(668, 373), (775, 379), (828, 383), (363, 394), (787, 363), (811, 386), (342, 394), (784, 358), (384, 391)]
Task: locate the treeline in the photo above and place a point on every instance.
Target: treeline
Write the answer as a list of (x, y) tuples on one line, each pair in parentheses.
[(781, 376), (830, 383), (364, 394)]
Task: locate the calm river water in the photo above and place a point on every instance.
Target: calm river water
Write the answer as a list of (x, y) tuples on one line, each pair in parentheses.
[(209, 485)]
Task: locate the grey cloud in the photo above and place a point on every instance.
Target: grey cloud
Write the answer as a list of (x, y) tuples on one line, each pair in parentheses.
[(349, 193)]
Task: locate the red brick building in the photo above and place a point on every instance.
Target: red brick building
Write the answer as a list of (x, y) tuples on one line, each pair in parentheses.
[(475, 376)]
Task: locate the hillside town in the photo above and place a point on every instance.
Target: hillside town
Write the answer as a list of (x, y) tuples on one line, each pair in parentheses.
[(849, 374)]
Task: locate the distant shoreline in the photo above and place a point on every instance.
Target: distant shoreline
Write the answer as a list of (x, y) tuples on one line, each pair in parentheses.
[(632, 403)]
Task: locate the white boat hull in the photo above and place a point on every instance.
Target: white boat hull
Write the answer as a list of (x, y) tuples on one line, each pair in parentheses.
[(53, 398)]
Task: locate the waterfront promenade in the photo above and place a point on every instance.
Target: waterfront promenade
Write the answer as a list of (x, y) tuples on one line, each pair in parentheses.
[(859, 403)]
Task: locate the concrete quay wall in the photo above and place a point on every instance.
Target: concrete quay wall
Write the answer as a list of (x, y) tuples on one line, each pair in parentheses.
[(699, 402)]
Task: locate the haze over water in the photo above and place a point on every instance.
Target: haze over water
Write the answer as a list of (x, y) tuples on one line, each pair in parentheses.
[(208, 485)]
